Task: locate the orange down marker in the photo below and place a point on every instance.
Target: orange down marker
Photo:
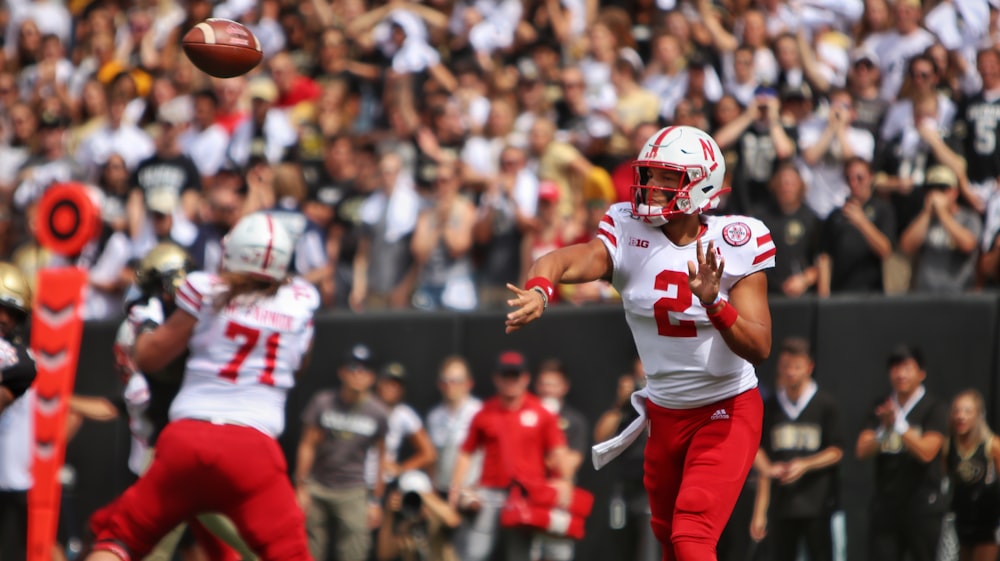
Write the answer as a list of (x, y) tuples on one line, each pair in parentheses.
[(68, 218)]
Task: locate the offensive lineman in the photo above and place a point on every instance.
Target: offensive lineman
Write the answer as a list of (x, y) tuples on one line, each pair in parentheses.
[(146, 398), (695, 297), (248, 330)]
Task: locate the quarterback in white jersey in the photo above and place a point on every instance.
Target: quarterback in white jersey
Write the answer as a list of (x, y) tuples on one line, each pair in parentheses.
[(695, 297), (248, 332)]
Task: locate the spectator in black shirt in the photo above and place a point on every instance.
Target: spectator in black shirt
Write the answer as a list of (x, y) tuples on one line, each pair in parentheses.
[(857, 237), (796, 231), (905, 435), (972, 456), (801, 448)]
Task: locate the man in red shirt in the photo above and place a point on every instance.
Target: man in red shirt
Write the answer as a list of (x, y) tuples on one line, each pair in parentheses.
[(517, 436)]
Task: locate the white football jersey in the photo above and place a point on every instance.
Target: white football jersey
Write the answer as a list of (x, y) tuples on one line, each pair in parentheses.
[(687, 362), (243, 358)]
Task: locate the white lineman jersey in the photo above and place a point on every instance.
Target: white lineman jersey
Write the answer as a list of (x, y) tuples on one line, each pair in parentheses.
[(686, 360), (243, 358)]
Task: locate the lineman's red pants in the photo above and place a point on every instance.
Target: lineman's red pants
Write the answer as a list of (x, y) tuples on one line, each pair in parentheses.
[(201, 467), (696, 462)]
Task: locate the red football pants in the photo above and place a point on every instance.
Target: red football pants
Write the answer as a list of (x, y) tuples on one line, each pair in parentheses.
[(696, 462), (200, 467)]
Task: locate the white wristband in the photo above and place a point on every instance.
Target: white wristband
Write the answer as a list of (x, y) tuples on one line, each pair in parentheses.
[(901, 426)]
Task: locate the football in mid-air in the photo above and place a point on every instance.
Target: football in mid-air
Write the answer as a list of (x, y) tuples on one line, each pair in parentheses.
[(222, 48)]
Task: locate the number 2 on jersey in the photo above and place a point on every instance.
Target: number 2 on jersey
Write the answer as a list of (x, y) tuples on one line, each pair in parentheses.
[(247, 338), (680, 301)]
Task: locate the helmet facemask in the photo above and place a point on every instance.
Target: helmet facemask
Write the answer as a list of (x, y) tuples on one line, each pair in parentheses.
[(678, 201)]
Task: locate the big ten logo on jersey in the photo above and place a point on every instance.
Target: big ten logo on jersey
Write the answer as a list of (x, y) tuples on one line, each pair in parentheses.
[(804, 437), (637, 242)]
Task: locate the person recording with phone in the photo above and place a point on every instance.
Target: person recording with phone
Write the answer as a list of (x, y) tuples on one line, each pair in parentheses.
[(762, 141), (825, 144)]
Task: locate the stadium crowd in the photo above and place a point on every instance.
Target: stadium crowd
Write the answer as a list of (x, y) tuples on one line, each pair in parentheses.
[(423, 154)]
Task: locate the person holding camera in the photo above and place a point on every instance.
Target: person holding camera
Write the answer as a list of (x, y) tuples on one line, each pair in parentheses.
[(857, 237), (825, 145), (762, 141), (414, 512), (943, 238)]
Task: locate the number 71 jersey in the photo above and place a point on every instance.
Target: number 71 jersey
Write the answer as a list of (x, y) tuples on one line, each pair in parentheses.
[(687, 362), (243, 358)]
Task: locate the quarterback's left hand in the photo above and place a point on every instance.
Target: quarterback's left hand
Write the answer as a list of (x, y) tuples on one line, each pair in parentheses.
[(529, 304), (705, 276)]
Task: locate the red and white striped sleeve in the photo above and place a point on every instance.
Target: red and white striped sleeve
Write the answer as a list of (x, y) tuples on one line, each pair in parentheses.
[(191, 293), (610, 229), (763, 248)]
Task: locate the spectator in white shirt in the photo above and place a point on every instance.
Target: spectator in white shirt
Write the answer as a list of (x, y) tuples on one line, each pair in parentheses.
[(824, 145), (894, 48), (115, 137), (205, 141)]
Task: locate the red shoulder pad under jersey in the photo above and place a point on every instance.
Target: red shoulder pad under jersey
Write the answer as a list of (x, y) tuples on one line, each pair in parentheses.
[(745, 244), (195, 294)]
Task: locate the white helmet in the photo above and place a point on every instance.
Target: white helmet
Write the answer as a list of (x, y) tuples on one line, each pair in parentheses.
[(258, 246), (698, 158)]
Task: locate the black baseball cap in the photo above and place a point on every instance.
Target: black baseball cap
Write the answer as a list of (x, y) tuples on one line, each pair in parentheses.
[(358, 356), (511, 362)]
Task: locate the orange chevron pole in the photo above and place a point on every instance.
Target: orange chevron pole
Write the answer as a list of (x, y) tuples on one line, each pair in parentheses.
[(68, 219)]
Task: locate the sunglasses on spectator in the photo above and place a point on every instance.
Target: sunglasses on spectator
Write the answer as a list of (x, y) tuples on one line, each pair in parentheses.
[(572, 85), (510, 162), (922, 75)]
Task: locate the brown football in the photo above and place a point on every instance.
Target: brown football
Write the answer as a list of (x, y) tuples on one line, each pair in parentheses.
[(223, 48)]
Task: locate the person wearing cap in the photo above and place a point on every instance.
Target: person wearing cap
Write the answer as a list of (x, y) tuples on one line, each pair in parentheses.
[(863, 80), (414, 511), (761, 139), (405, 425), (944, 238), (520, 440), (339, 427), (905, 435)]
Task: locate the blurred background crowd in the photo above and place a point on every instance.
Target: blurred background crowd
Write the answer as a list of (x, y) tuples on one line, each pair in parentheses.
[(423, 154)]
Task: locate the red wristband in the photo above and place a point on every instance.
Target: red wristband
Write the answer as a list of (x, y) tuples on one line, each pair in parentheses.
[(543, 283), (724, 317)]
